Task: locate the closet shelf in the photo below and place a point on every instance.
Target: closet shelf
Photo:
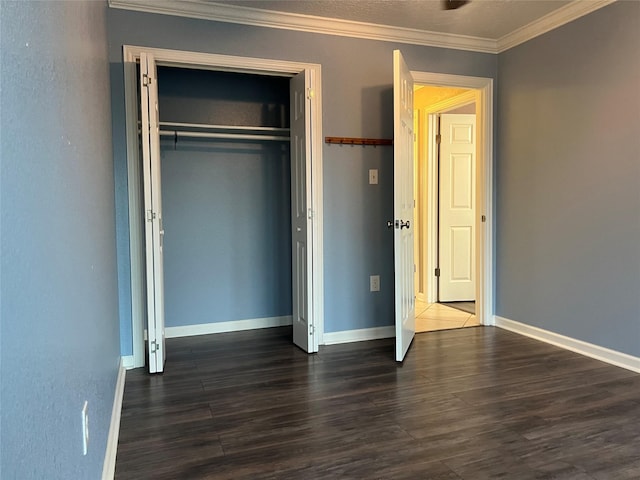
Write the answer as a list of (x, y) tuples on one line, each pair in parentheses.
[(231, 132)]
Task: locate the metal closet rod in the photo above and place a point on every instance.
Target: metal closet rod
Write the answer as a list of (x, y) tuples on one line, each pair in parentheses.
[(232, 136), (227, 131)]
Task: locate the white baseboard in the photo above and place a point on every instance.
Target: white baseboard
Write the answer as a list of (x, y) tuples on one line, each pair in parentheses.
[(361, 335), (603, 354), (109, 466), (127, 362), (233, 326)]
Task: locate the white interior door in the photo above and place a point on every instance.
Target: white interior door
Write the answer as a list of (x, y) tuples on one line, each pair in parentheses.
[(403, 205), (154, 232), (457, 207), (301, 213)]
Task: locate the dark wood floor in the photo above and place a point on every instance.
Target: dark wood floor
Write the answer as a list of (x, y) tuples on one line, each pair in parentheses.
[(476, 403)]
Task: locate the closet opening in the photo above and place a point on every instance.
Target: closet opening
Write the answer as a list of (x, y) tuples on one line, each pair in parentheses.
[(225, 197)]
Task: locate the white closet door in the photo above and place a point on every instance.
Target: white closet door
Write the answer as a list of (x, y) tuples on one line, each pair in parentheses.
[(153, 213), (301, 215), (403, 205)]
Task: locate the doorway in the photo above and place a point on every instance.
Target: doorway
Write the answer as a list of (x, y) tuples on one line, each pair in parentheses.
[(445, 160), (439, 99), (311, 262)]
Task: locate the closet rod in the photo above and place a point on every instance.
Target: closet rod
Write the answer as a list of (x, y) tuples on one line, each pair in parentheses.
[(239, 128), (230, 136)]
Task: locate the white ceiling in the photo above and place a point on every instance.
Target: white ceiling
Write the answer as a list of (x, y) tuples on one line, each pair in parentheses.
[(491, 26), (490, 19)]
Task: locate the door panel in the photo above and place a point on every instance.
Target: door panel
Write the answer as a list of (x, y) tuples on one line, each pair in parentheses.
[(154, 231), (403, 205), (301, 217), (457, 219)]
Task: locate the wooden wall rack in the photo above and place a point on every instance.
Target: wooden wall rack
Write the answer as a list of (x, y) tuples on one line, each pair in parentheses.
[(358, 141)]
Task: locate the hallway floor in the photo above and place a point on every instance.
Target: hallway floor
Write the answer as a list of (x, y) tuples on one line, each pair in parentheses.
[(435, 316)]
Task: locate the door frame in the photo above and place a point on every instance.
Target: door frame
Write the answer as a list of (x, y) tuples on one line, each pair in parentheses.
[(483, 91), (216, 62)]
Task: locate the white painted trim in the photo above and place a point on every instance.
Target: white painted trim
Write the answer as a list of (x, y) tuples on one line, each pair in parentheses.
[(231, 326), (347, 28), (360, 335), (551, 21), (307, 23), (136, 223), (128, 362), (317, 202), (484, 182), (431, 204), (603, 354), (453, 102), (178, 58), (109, 466)]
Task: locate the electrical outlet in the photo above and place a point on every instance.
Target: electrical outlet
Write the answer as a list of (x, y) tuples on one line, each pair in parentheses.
[(373, 176), (85, 427), (374, 283)]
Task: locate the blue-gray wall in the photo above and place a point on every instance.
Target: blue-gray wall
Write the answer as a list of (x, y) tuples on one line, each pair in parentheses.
[(226, 203), (568, 180), (58, 260), (357, 102)]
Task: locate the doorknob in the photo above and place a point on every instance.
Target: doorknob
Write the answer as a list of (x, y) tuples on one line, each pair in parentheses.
[(398, 224)]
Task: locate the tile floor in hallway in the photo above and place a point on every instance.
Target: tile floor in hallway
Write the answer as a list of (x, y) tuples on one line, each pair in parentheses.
[(434, 316)]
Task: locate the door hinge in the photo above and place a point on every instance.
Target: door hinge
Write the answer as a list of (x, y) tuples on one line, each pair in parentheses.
[(310, 93), (150, 215), (309, 213), (146, 80), (438, 138), (483, 218), (437, 272), (154, 347), (312, 330)]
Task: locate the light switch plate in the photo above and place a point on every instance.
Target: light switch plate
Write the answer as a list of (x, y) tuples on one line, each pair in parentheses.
[(374, 283)]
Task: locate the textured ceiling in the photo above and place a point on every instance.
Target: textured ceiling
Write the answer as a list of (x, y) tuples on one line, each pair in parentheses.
[(491, 19)]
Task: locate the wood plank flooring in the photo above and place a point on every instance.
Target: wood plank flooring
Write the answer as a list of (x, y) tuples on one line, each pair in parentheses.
[(477, 403)]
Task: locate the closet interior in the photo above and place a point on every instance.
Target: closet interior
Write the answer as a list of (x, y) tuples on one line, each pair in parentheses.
[(226, 196)]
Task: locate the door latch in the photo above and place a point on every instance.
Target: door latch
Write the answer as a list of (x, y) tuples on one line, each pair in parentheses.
[(398, 224)]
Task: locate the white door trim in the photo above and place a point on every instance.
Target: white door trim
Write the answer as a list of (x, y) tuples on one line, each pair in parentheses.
[(484, 183), (177, 58)]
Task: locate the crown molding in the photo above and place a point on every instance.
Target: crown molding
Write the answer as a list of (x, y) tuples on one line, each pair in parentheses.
[(551, 21), (306, 23), (218, 12)]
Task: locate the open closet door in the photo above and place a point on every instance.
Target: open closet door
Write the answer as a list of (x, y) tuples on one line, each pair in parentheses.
[(403, 205), (154, 232), (301, 213)]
